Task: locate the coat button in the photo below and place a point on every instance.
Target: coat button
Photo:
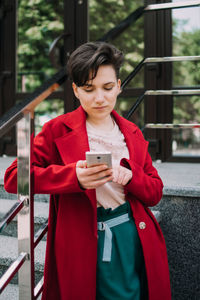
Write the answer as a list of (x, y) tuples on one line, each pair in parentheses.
[(142, 225)]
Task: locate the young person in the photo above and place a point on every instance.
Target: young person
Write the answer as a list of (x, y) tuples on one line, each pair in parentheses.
[(103, 242)]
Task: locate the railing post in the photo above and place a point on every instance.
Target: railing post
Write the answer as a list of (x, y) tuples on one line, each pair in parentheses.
[(25, 135)]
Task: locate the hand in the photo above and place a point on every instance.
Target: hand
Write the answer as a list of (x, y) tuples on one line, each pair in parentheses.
[(92, 177), (121, 175)]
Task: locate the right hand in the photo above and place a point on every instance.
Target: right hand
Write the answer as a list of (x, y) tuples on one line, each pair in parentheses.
[(92, 177)]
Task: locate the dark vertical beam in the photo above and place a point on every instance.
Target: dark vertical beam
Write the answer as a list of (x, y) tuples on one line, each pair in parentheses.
[(8, 46), (158, 109), (75, 23), (150, 50), (8, 54), (164, 81)]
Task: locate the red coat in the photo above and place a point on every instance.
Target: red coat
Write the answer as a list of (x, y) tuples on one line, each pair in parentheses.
[(71, 254)]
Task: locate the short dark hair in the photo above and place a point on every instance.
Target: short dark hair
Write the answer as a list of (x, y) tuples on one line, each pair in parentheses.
[(88, 57)]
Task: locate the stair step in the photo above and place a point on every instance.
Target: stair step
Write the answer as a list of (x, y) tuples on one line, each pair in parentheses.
[(11, 292), (8, 196), (180, 179), (9, 252), (41, 211), (5, 162)]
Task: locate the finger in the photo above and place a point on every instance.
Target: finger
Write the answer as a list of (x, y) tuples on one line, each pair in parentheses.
[(125, 179), (100, 182), (81, 164), (93, 184), (97, 169), (120, 177), (99, 176), (115, 174)]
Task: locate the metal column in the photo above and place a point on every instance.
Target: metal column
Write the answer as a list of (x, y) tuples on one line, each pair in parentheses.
[(26, 215)]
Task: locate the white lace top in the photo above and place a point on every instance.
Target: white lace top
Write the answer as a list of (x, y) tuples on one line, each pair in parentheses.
[(109, 195)]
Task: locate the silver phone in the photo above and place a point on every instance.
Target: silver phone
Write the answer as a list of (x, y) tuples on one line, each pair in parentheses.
[(96, 158)]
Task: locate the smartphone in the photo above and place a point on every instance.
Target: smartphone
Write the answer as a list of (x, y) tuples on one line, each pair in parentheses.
[(96, 158)]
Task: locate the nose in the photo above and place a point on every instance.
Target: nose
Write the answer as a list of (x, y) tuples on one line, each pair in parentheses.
[(99, 96)]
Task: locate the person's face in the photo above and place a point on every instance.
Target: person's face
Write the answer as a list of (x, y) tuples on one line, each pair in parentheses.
[(98, 96)]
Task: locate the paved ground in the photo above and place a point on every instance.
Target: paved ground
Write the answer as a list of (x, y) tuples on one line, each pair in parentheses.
[(180, 176)]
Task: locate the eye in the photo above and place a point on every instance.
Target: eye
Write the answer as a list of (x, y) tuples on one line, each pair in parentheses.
[(88, 90), (108, 88)]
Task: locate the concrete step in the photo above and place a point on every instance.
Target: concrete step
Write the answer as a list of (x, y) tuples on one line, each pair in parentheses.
[(180, 179), (11, 292), (41, 211), (9, 252)]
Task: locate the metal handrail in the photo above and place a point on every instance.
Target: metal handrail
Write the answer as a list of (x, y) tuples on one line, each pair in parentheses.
[(40, 233), (9, 216), (170, 5), (177, 93), (171, 59), (172, 92), (12, 270), (39, 287), (16, 113), (149, 60), (124, 24), (171, 126), (24, 209)]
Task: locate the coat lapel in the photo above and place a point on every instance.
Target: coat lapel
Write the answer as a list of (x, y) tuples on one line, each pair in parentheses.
[(73, 145), (137, 146)]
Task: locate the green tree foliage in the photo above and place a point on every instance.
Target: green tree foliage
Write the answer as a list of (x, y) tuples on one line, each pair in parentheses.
[(39, 23), (106, 14), (187, 109)]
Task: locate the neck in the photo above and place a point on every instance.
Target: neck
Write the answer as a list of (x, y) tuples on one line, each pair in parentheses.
[(105, 124)]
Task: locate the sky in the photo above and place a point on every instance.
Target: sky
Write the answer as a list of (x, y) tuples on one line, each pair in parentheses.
[(192, 15)]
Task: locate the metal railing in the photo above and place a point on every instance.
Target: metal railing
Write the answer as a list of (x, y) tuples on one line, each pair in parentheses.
[(22, 115), (179, 92), (170, 5), (150, 60), (135, 15)]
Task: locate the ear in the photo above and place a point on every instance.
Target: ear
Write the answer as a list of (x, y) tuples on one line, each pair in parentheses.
[(75, 89), (119, 86)]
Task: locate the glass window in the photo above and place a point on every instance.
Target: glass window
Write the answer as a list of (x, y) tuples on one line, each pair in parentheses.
[(186, 33)]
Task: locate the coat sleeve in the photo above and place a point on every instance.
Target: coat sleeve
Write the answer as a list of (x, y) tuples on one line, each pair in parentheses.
[(145, 185), (49, 177)]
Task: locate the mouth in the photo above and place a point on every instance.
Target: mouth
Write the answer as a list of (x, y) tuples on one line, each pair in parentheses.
[(100, 107)]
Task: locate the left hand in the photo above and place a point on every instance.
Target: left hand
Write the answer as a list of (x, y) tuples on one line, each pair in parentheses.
[(121, 175)]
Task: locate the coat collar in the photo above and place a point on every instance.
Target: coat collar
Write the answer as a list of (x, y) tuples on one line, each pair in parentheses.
[(73, 145), (77, 119)]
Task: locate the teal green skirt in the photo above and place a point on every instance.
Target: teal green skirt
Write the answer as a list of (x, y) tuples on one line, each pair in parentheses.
[(124, 276)]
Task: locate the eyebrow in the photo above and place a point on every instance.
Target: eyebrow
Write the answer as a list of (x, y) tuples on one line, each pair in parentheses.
[(107, 83)]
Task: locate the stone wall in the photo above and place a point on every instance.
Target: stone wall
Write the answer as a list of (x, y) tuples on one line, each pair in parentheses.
[(181, 228)]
